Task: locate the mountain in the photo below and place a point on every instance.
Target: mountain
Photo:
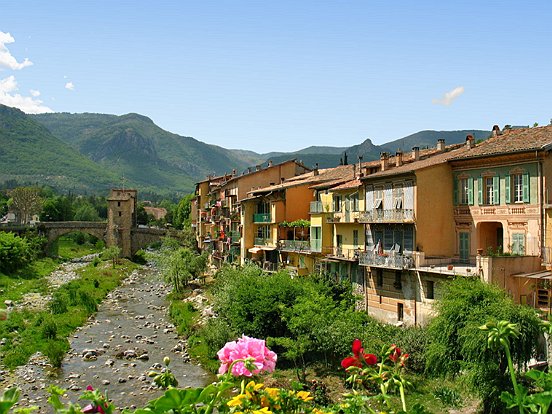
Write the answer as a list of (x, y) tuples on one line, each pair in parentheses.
[(146, 155), (29, 153), (429, 139)]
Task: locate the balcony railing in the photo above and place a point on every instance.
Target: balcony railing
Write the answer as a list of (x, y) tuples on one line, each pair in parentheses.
[(295, 245), (261, 241), (390, 260), (261, 218), (387, 216), (341, 252), (316, 245), (334, 218), (235, 236), (316, 207)]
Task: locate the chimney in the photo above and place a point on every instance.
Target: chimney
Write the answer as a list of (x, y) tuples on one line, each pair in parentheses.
[(359, 166), (249, 169), (315, 171), (441, 145), (233, 172), (270, 163), (399, 158), (416, 153), (470, 141), (384, 157), (496, 131), (354, 171), (282, 179), (258, 167)]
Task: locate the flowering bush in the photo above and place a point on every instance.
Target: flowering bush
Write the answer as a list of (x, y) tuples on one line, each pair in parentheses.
[(246, 357)]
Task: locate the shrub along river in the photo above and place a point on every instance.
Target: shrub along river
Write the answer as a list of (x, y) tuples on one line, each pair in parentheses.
[(128, 337)]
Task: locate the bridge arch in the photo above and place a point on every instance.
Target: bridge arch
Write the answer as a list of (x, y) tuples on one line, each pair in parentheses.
[(54, 230)]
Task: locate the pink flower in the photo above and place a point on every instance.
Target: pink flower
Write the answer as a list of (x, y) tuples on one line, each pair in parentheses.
[(246, 348)]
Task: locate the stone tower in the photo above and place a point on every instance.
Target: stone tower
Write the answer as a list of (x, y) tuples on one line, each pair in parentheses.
[(121, 219)]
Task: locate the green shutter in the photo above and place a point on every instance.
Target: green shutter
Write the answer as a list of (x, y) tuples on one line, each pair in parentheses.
[(480, 191), (525, 182), (470, 191), (496, 193), (507, 191), (455, 185)]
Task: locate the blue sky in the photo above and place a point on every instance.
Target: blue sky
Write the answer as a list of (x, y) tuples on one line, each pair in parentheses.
[(283, 75)]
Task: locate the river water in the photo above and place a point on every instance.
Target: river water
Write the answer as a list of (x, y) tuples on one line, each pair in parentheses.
[(129, 335)]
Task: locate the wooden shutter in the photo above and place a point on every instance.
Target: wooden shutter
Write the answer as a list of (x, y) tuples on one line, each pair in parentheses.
[(508, 188), (480, 190), (369, 238), (369, 198), (525, 183), (455, 190), (388, 197), (496, 192), (470, 191), (408, 195)]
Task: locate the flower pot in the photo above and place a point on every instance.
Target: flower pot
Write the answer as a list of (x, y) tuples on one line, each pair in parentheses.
[(450, 267)]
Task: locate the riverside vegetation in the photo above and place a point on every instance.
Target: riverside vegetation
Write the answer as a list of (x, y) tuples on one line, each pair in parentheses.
[(310, 323)]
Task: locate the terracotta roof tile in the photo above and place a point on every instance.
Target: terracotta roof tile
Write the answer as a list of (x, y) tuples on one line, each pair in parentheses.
[(511, 141)]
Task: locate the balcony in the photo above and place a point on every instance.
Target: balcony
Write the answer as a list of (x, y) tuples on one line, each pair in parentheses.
[(235, 236), (262, 218), (316, 207), (316, 245), (295, 245), (391, 260), (341, 253), (334, 218), (387, 216), (261, 241)]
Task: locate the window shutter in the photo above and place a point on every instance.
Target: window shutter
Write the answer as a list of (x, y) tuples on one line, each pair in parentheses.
[(496, 193), (409, 196), (470, 191), (480, 190), (388, 197), (525, 183), (369, 197), (369, 239), (507, 181), (455, 185)]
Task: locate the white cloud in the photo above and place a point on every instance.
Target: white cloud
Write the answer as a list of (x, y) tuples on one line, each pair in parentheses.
[(34, 93), (449, 97), (6, 58), (9, 97), (70, 86)]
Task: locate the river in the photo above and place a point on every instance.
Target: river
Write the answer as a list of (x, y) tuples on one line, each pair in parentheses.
[(129, 335)]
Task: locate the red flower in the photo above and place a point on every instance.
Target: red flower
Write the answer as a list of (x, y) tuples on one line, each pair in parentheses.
[(359, 358), (395, 353)]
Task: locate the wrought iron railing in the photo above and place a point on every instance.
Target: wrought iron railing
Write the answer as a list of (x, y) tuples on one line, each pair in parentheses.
[(391, 260), (386, 216), (261, 218)]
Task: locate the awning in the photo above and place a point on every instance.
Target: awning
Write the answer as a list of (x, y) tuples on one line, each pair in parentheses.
[(329, 260), (546, 274), (268, 248), (254, 250)]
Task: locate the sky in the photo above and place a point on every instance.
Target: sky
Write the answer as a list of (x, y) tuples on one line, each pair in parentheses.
[(283, 75)]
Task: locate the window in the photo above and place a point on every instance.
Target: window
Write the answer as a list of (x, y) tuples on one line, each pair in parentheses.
[(464, 191), (379, 277), (398, 283), (354, 202), (263, 232), (378, 197), (118, 204), (430, 289), (518, 243), (339, 240), (517, 188), (398, 197), (355, 239), (336, 203), (263, 208), (400, 312), (120, 214), (488, 190)]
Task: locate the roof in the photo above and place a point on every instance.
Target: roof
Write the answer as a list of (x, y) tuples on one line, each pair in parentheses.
[(511, 141), (428, 158), (337, 174), (348, 185)]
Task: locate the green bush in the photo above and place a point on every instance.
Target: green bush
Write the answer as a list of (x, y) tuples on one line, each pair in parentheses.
[(87, 300), (59, 303), (15, 252), (183, 316), (49, 328), (55, 350), (216, 334), (457, 345), (140, 257)]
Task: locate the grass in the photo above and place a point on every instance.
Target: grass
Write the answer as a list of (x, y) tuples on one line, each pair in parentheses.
[(47, 330), (68, 249)]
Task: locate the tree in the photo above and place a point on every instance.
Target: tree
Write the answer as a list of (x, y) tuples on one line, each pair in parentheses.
[(183, 212), (112, 253), (86, 212), (25, 201), (15, 252)]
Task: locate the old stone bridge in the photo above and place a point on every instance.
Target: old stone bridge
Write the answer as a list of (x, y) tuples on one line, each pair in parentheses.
[(130, 240), (120, 229)]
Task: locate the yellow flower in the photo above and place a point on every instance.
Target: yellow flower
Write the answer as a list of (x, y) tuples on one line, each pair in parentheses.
[(263, 410), (304, 395), (237, 400)]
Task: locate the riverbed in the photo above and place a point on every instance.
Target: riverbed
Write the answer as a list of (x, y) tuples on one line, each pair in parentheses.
[(128, 337)]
